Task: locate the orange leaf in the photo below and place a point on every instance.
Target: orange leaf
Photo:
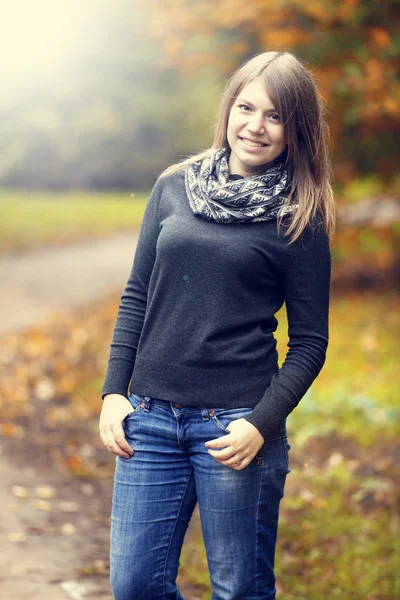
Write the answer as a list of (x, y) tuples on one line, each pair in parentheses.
[(379, 36)]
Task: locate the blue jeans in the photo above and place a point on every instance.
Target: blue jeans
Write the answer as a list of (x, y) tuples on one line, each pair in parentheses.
[(157, 488)]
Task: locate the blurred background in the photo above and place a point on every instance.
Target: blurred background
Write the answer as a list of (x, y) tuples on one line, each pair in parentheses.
[(97, 99)]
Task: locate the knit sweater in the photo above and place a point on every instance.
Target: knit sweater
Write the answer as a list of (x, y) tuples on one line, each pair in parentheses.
[(196, 322)]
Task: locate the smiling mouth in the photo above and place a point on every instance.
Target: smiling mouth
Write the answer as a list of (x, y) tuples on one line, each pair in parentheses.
[(252, 144)]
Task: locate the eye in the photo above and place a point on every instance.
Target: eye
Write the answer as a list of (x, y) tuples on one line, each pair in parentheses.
[(243, 106), (275, 117)]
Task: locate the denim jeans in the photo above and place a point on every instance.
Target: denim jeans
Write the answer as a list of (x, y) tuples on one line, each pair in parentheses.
[(157, 488)]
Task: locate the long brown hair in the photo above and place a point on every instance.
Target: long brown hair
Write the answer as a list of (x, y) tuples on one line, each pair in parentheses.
[(294, 93)]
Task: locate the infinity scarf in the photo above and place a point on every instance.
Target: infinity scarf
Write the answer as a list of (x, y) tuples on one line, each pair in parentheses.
[(213, 196)]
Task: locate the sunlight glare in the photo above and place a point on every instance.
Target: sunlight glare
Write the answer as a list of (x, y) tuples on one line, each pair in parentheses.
[(39, 40)]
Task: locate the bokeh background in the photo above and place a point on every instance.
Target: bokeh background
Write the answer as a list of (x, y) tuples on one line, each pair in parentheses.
[(98, 97)]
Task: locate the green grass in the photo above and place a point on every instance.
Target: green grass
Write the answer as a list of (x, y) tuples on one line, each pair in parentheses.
[(30, 219), (356, 392)]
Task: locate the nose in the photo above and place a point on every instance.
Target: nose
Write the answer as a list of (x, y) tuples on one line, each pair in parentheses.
[(256, 124)]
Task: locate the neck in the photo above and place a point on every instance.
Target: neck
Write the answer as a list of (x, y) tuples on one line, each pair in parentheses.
[(246, 171)]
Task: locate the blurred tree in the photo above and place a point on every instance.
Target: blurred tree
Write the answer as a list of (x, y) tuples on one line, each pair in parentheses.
[(113, 121), (350, 45)]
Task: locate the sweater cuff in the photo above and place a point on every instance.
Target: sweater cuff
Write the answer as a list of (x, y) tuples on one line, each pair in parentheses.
[(265, 428), (118, 378)]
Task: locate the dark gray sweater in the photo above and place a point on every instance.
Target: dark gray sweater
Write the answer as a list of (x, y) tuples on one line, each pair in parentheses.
[(196, 320)]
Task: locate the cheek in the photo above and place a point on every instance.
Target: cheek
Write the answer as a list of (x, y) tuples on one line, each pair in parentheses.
[(279, 136), (233, 124), (231, 132)]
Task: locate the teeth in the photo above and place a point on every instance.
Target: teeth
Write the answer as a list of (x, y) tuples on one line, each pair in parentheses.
[(250, 143)]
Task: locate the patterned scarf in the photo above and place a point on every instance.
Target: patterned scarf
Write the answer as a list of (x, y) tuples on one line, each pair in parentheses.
[(213, 196)]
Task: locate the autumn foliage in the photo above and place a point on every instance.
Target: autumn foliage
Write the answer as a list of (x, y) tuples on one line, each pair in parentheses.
[(350, 46)]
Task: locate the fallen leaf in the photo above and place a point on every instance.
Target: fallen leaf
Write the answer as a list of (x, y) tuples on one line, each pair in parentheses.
[(17, 536), (68, 506), (43, 505), (45, 491), (44, 390), (67, 529), (73, 589), (19, 491), (335, 459)]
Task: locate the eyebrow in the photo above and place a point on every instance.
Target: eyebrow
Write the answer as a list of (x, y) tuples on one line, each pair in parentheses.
[(250, 104)]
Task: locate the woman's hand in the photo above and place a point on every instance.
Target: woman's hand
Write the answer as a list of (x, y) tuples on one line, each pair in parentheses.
[(240, 445), (115, 409)]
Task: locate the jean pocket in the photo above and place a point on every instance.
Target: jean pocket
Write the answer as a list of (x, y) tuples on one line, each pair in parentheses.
[(137, 404), (223, 416)]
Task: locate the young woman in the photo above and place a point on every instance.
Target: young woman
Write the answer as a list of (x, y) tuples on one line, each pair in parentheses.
[(227, 237)]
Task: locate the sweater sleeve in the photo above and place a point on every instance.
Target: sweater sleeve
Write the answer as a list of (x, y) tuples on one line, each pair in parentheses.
[(132, 308), (305, 278)]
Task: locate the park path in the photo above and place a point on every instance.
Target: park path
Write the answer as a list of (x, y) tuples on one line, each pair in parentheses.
[(35, 283), (36, 562)]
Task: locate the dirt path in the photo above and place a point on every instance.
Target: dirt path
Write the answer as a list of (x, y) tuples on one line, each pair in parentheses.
[(57, 278), (54, 528), (46, 540), (43, 546)]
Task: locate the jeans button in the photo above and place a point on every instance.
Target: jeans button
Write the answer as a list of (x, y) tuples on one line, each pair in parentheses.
[(177, 405)]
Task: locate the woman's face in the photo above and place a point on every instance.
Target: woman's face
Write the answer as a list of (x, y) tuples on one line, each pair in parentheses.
[(255, 131)]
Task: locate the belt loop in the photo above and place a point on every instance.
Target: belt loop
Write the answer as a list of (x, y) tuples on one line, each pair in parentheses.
[(205, 414), (147, 403)]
